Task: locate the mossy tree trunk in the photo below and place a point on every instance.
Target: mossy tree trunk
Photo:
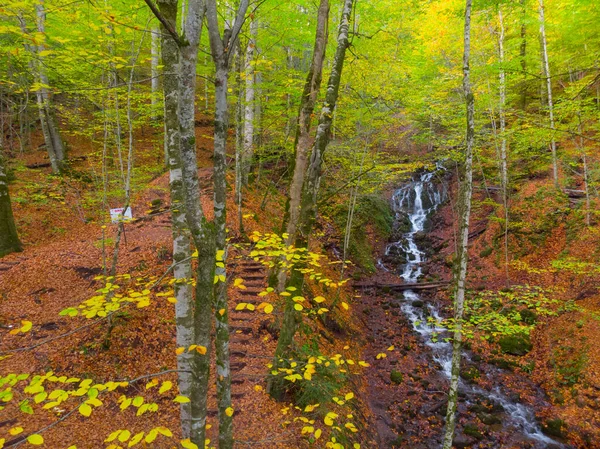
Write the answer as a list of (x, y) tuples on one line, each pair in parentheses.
[(308, 201)]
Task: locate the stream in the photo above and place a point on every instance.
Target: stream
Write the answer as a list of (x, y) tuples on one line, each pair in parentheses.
[(414, 205)]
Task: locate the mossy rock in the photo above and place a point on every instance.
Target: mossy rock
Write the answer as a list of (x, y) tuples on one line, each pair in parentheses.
[(528, 316), (515, 344), (486, 252), (472, 431), (470, 374), (397, 377), (554, 428)]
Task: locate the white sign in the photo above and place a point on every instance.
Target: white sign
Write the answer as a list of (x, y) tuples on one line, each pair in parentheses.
[(120, 214)]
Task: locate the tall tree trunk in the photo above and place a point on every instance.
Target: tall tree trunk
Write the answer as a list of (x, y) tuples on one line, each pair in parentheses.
[(546, 69), (248, 152), (58, 146), (461, 272), (308, 203), (523, 55), (181, 240), (239, 138), (202, 231), (222, 49), (503, 143), (155, 83), (307, 106), (9, 240)]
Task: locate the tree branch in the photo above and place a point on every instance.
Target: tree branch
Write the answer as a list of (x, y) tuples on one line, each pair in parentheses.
[(176, 37)]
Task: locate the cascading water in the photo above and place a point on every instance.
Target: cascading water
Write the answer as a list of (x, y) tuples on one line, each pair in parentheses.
[(416, 202)]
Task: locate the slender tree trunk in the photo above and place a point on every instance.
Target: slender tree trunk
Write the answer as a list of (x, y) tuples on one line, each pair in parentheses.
[(308, 203), (222, 49), (9, 240), (239, 138), (155, 83), (52, 124), (248, 152), (503, 144), (307, 106), (523, 56), (586, 174), (461, 274), (181, 239), (548, 79)]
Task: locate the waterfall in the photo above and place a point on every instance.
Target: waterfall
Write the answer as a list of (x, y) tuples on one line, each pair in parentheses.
[(417, 201)]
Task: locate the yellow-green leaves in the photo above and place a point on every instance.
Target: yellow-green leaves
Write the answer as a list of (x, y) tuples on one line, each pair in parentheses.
[(25, 327), (35, 439), (181, 399), (187, 444), (166, 386), (85, 409), (229, 411)]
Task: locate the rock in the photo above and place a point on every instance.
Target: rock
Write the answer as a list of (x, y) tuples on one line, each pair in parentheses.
[(471, 430), (580, 402), (417, 303), (489, 419), (462, 441)]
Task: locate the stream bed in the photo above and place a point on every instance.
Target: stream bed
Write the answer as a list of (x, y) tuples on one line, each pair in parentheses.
[(508, 422)]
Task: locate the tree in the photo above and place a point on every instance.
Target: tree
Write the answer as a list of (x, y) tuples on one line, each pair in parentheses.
[(548, 81), (463, 236), (308, 203), (9, 240)]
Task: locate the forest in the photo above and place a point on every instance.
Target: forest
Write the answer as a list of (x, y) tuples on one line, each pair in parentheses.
[(300, 224)]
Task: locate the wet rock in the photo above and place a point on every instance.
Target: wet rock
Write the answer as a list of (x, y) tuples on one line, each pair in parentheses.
[(470, 374), (418, 303), (461, 441), (489, 419), (471, 430)]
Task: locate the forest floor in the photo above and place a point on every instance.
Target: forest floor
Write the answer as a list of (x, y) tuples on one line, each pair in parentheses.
[(62, 232)]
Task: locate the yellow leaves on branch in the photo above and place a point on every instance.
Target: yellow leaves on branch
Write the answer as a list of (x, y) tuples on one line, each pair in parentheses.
[(229, 411)]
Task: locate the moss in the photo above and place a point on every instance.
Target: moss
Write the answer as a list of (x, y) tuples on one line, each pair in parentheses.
[(472, 431), (486, 252), (515, 344), (528, 316), (554, 428), (397, 377)]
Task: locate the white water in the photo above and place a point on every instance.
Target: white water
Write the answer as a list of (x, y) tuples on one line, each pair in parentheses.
[(408, 201)]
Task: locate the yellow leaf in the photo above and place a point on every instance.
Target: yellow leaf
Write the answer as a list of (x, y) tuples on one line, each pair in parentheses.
[(201, 349), (222, 312), (240, 306), (187, 444), (164, 431), (349, 396), (345, 305), (391, 348), (85, 409), (180, 350), (181, 399), (35, 439), (15, 431), (166, 386), (229, 411), (319, 299), (172, 300), (317, 434), (298, 307), (268, 308), (136, 439), (365, 364), (258, 388), (124, 436), (381, 355), (151, 436)]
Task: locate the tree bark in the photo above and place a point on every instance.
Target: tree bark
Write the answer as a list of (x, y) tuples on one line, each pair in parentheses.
[(9, 240), (461, 272), (546, 67)]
